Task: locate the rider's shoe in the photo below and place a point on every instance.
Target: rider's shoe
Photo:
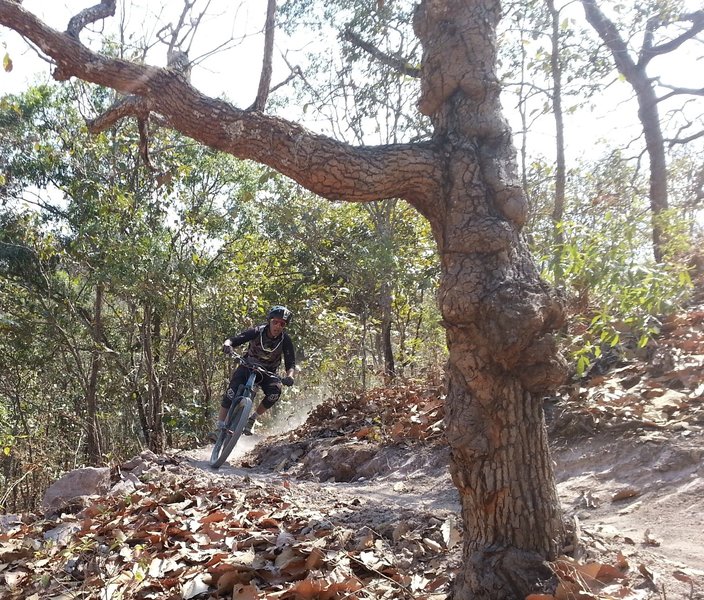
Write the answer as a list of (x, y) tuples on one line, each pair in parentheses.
[(214, 435), (249, 426)]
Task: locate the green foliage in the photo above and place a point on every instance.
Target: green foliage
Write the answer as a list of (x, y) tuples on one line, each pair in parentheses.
[(365, 100), (618, 297), (181, 260)]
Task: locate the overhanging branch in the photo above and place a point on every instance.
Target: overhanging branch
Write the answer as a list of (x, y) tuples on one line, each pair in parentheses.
[(325, 166)]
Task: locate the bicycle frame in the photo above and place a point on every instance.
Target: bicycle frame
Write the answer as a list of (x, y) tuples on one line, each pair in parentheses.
[(238, 413)]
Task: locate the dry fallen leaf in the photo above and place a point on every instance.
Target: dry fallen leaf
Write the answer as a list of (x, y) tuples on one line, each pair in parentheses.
[(450, 533), (245, 592), (649, 539), (651, 576), (625, 493)]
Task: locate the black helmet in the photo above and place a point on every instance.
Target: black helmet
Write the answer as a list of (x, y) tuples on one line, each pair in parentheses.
[(280, 312)]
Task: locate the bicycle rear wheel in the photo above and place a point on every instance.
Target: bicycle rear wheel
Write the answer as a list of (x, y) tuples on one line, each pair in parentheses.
[(230, 434)]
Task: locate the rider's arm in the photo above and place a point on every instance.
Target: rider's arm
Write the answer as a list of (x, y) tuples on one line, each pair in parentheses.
[(241, 338), (289, 356)]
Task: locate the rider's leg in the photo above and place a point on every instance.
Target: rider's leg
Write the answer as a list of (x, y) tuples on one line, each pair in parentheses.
[(239, 377), (272, 391)]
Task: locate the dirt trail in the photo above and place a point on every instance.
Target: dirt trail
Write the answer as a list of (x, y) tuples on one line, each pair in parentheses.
[(636, 496)]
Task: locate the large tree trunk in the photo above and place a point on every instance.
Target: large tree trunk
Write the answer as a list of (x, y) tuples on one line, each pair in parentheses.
[(497, 312)]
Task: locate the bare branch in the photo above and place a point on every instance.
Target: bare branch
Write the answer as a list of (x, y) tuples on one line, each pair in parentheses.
[(648, 51), (265, 78), (105, 9), (679, 91), (684, 140), (610, 36), (396, 63)]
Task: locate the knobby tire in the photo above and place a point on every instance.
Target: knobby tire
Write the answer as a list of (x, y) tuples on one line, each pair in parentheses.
[(230, 435)]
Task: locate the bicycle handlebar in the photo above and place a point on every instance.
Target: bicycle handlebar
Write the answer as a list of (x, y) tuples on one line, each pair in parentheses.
[(253, 366)]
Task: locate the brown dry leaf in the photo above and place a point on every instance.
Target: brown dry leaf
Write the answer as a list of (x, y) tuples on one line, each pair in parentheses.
[(214, 517), (365, 539), (12, 553), (306, 589), (269, 523), (227, 581), (649, 539), (540, 597), (600, 572), (622, 562), (647, 573), (291, 562), (625, 493), (682, 576), (245, 592), (438, 582), (397, 430), (315, 559), (363, 432)]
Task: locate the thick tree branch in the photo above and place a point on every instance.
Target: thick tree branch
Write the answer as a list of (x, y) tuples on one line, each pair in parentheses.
[(396, 63), (105, 9), (325, 166), (132, 106)]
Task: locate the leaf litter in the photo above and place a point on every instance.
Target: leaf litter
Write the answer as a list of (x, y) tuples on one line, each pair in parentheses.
[(315, 514)]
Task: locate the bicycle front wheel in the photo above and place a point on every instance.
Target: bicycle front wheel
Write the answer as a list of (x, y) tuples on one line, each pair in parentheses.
[(230, 434)]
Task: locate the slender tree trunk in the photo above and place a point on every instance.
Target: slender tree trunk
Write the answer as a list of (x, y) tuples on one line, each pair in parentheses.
[(200, 357), (154, 416), (386, 322), (93, 426), (635, 74), (558, 210), (497, 312), (655, 147)]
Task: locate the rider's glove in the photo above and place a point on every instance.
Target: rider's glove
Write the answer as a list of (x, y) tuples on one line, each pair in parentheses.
[(287, 381), (227, 347)]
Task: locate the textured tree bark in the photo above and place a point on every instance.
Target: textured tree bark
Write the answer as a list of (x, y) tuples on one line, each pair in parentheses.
[(498, 314)]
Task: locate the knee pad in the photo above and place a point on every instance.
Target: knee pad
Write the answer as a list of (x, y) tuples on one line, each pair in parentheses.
[(270, 400), (227, 399)]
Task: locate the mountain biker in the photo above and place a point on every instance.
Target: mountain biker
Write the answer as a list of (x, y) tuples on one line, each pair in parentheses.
[(268, 343)]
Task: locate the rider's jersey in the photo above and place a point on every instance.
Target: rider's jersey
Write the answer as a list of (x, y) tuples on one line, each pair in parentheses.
[(266, 351)]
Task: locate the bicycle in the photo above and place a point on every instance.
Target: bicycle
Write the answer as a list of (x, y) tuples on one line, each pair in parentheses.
[(238, 413)]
